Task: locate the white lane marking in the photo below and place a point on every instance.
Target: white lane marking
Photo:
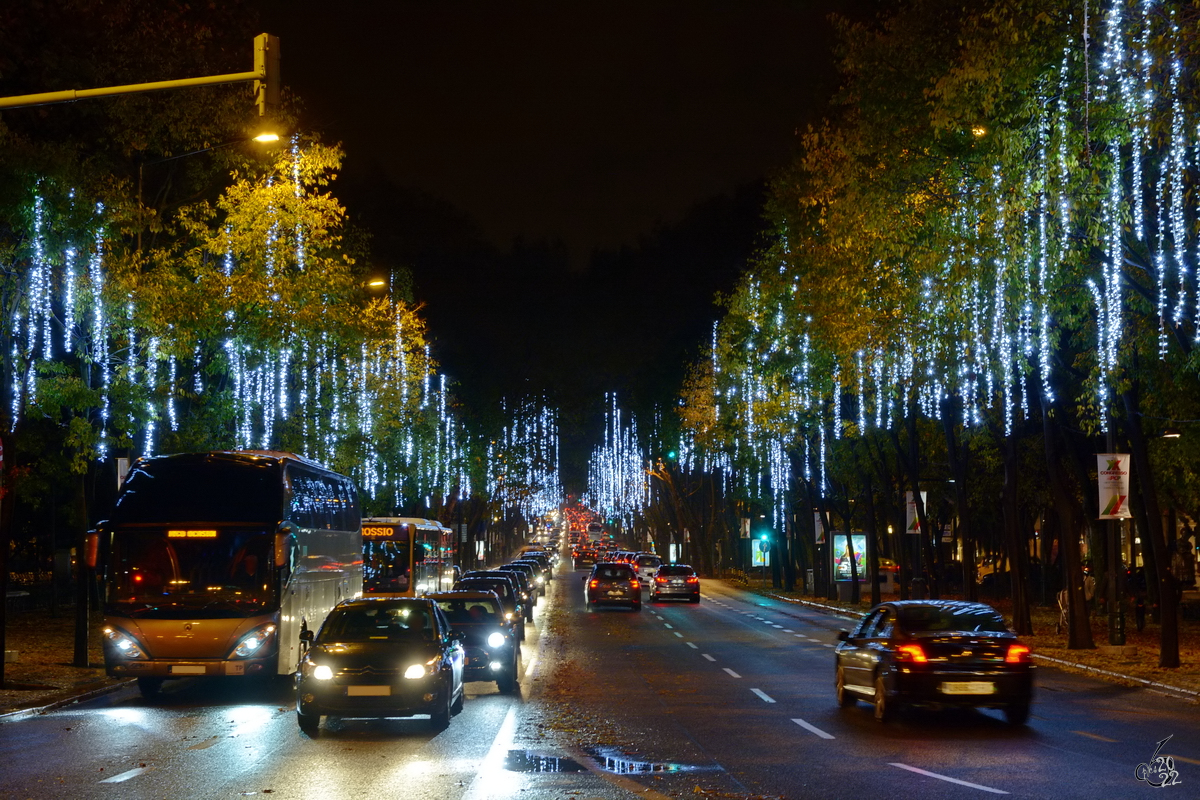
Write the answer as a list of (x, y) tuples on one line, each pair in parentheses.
[(124, 776), (531, 666), (826, 644), (491, 775), (788, 630), (207, 743), (801, 636), (813, 728), (692, 645), (677, 633), (731, 672), (766, 698), (706, 655), (948, 778), (668, 625), (776, 626)]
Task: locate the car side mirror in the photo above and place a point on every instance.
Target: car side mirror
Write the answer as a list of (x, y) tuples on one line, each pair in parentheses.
[(307, 636), (583, 578), (843, 636)]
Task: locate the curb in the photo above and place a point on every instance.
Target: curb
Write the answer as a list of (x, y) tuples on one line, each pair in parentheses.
[(1188, 693), (82, 697)]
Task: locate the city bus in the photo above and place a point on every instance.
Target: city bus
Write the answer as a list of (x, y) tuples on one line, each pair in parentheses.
[(406, 556), (213, 563)]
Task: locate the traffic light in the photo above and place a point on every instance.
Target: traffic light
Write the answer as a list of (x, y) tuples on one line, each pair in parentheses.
[(266, 64)]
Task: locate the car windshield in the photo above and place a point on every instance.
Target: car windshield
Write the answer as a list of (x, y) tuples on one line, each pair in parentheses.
[(474, 611), (500, 587), (674, 570), (407, 622), (917, 619), (649, 561)]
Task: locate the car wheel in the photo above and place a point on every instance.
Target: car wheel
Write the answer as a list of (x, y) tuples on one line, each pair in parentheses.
[(150, 687), (457, 706), (506, 683), (696, 598), (309, 723), (636, 606), (844, 698), (1017, 713), (883, 708), (439, 719)]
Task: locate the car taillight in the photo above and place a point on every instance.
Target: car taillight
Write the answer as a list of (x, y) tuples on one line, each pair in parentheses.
[(659, 579), (693, 579), (633, 584), (911, 652), (593, 583), (1017, 654)]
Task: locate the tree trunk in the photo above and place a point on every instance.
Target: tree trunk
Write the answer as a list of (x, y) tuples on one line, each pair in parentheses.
[(1015, 541), (1168, 656), (872, 543)]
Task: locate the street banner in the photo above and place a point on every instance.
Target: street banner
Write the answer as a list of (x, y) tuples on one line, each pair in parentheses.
[(1112, 479), (745, 527), (819, 527), (913, 522)]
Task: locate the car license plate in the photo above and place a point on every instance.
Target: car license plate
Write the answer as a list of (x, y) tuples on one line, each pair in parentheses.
[(968, 687), (615, 593), (368, 691), (677, 583), (187, 669)]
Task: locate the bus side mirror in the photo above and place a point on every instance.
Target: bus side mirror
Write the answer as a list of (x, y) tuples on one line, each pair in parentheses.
[(91, 551), (283, 533)]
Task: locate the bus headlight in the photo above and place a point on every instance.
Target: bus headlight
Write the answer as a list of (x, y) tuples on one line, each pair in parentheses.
[(496, 640), (254, 643), (125, 645)]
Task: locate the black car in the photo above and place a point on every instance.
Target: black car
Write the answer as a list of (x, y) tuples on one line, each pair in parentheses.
[(528, 578), (612, 583), (381, 657), (675, 580), (935, 653), (492, 650), (504, 585), (541, 571)]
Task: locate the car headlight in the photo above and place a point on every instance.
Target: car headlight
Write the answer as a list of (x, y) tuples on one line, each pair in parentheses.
[(253, 643), (508, 615), (496, 640), (123, 643), (541, 580), (322, 673), (417, 671)]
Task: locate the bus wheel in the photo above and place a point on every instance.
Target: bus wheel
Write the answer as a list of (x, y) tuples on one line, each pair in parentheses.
[(150, 687)]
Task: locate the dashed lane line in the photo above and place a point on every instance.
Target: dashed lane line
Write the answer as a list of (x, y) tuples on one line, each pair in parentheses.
[(766, 698), (124, 776), (706, 655), (692, 645), (948, 779), (808, 726), (732, 674)]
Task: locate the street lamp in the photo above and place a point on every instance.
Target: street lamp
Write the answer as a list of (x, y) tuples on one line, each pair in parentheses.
[(266, 135)]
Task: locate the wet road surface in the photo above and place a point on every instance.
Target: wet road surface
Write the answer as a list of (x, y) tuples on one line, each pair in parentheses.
[(729, 698)]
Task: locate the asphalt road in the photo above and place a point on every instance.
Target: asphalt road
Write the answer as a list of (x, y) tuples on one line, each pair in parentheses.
[(730, 698)]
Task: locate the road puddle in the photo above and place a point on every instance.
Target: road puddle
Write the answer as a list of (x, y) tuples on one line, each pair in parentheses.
[(525, 761), (612, 760)]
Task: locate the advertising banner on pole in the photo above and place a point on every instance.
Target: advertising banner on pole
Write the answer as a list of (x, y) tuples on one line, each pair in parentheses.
[(1112, 478), (912, 522), (819, 527)]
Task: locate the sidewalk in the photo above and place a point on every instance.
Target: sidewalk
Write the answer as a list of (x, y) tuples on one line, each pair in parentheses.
[(1136, 668), (44, 646)]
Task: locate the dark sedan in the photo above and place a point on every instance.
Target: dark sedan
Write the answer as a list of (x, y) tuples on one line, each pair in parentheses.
[(613, 584), (381, 657), (493, 653), (934, 653), (504, 585)]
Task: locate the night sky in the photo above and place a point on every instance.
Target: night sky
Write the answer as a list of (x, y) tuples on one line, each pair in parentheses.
[(569, 183)]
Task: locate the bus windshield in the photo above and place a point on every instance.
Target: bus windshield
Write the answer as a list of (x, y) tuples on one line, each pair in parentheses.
[(177, 573), (386, 565), (185, 488)]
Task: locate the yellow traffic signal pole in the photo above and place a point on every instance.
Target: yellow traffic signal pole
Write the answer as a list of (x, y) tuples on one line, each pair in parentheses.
[(265, 76)]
